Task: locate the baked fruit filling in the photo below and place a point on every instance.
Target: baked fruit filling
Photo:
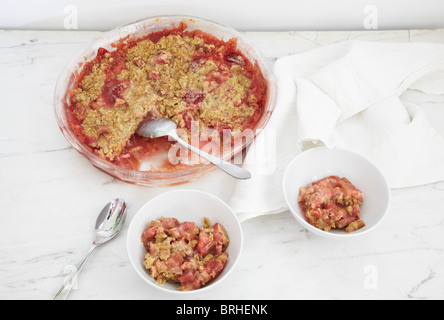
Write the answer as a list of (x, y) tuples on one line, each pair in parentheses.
[(332, 203), (183, 253), (189, 77)]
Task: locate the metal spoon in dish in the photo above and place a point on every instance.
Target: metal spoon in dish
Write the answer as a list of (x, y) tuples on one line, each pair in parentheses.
[(165, 127), (108, 224)]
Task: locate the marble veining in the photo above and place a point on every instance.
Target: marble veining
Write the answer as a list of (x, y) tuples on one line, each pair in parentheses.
[(51, 196)]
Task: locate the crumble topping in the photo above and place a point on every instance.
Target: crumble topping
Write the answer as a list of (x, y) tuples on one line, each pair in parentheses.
[(182, 253), (183, 76), (332, 202)]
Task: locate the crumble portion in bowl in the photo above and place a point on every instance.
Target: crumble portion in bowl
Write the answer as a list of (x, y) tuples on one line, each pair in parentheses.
[(187, 76), (332, 202), (182, 253)]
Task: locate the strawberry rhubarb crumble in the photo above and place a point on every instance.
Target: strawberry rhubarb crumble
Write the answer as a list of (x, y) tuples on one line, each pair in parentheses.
[(183, 253), (332, 202), (186, 76)]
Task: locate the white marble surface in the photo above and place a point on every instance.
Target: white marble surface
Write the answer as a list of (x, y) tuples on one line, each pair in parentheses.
[(51, 196)]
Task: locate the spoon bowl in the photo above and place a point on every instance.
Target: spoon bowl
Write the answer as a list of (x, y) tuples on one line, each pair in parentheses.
[(110, 221), (157, 128)]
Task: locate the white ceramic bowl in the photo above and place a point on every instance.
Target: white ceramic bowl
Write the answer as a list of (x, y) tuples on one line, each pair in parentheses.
[(184, 205), (321, 162)]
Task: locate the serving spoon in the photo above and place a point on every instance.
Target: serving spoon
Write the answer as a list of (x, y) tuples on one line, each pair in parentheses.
[(166, 127), (108, 224)]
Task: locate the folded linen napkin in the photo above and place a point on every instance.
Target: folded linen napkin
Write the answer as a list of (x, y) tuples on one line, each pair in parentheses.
[(349, 95)]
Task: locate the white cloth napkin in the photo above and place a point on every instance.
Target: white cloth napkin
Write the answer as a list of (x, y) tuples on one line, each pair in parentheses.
[(348, 95)]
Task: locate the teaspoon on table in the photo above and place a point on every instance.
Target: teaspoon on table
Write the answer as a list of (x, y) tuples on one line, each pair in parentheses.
[(109, 223), (165, 127)]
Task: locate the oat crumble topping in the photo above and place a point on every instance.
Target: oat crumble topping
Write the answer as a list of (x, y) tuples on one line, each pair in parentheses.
[(332, 203), (184, 76), (184, 254)]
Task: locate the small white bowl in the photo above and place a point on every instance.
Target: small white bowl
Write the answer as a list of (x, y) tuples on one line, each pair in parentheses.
[(184, 205), (321, 162)]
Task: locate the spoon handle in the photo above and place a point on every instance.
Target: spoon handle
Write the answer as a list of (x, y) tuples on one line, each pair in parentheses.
[(231, 169), (69, 282)]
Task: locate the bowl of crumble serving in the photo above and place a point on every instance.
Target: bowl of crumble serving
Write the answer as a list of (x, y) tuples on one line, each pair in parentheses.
[(335, 193), (204, 76), (186, 245)]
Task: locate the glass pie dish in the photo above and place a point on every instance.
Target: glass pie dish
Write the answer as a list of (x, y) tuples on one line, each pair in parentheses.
[(137, 30)]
